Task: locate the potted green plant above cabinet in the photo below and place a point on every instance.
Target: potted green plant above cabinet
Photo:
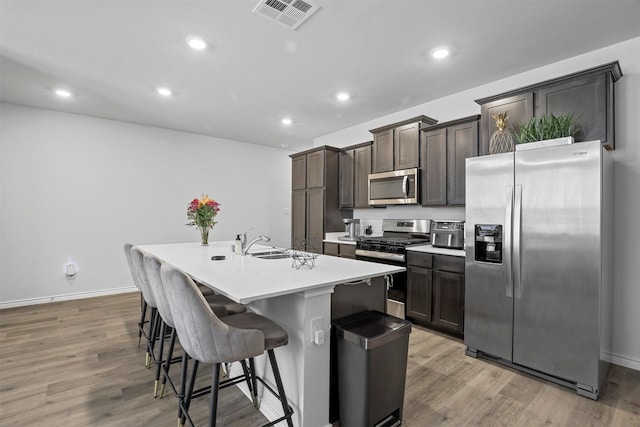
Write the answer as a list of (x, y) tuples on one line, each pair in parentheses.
[(548, 130)]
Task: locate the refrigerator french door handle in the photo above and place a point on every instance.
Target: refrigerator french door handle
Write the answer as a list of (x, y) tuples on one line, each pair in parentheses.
[(507, 241), (517, 231)]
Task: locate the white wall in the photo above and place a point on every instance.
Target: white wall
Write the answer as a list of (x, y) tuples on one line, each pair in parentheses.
[(76, 188), (626, 323)]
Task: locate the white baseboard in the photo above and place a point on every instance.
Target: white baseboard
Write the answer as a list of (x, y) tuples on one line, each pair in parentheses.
[(66, 297), (621, 361)]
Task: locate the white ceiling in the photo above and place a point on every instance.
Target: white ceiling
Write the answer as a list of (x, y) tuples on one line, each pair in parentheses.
[(112, 54)]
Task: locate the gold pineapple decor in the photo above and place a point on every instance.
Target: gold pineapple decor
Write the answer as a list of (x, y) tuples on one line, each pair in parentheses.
[(501, 140)]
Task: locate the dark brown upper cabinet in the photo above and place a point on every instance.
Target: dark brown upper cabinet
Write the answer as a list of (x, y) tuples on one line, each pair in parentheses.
[(346, 178), (355, 167), (397, 146), (520, 108), (314, 204), (362, 169), (588, 94), (444, 149), (299, 172)]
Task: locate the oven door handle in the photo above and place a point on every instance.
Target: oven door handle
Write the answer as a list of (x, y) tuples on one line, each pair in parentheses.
[(380, 255)]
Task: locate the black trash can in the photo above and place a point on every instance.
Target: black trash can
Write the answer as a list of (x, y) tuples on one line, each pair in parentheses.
[(372, 366)]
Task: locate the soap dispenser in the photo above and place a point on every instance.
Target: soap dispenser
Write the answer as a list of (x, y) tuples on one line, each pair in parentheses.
[(238, 245)]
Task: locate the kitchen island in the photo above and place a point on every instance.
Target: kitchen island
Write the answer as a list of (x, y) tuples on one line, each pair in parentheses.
[(291, 297)]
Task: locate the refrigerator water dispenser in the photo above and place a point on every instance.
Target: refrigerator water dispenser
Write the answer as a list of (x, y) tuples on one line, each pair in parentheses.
[(488, 243)]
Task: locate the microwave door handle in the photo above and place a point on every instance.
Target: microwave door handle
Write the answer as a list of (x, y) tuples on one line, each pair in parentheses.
[(449, 242), (405, 186)]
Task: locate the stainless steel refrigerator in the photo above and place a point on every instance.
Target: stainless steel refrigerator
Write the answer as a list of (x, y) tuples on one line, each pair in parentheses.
[(539, 254)]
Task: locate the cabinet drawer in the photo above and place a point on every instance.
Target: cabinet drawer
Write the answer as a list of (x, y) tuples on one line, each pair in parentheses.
[(453, 264), (331, 249), (420, 259)]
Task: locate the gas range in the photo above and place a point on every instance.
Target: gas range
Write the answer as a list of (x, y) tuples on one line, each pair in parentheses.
[(398, 234), (391, 248)]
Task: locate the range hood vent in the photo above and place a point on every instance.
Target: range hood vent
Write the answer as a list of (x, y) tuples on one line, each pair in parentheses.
[(290, 13)]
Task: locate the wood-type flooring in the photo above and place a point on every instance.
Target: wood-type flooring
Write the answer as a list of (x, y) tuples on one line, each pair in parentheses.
[(77, 363)]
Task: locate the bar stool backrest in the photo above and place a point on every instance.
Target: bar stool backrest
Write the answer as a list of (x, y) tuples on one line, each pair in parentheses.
[(138, 264), (134, 274), (202, 334), (152, 265)]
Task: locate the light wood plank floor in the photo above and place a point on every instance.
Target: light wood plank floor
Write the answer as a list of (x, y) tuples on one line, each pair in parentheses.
[(76, 363)]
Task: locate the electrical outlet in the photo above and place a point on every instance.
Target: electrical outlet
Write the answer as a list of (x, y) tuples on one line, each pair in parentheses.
[(316, 325)]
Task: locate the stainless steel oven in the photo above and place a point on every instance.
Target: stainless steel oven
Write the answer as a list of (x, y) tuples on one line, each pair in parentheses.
[(390, 248), (396, 285)]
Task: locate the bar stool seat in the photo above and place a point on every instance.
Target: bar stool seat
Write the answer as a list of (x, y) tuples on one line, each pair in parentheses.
[(231, 307), (205, 290), (208, 338), (274, 335)]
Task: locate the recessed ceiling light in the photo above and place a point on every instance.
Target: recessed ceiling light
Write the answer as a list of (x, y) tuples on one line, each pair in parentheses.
[(164, 91), (196, 43), (440, 53), (286, 121), (343, 96), (63, 93)]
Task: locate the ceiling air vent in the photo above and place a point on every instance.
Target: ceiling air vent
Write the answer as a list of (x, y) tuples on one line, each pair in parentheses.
[(290, 13)]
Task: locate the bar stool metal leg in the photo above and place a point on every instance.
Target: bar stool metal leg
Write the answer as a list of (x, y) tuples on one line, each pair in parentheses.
[(143, 315), (283, 397), (167, 363), (159, 362), (215, 384)]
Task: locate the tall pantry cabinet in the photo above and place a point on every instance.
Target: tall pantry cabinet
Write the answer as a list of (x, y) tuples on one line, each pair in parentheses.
[(315, 198)]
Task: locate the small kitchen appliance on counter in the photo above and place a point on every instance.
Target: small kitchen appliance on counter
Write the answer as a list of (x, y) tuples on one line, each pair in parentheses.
[(351, 229), (447, 234)]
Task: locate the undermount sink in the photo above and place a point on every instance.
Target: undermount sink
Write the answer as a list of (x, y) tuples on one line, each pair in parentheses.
[(278, 254)]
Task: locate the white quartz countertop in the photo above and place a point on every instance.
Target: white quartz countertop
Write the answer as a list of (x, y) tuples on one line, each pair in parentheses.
[(336, 240), (245, 278), (438, 251)]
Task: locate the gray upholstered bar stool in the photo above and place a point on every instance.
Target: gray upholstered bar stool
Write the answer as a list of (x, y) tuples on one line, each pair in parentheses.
[(137, 262), (136, 282), (209, 339), (152, 266)]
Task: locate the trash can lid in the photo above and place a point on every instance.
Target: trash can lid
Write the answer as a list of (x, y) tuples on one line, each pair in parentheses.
[(371, 329)]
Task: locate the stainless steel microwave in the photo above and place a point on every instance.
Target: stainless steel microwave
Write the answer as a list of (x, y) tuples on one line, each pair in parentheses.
[(394, 188)]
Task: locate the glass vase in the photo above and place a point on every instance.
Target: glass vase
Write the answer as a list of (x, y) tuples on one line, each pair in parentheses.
[(204, 236)]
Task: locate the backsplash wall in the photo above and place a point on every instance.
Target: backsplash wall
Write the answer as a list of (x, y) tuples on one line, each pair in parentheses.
[(374, 216)]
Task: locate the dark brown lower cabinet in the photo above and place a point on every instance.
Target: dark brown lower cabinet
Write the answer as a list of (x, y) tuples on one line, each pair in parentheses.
[(340, 250), (419, 291), (448, 301), (435, 296)]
